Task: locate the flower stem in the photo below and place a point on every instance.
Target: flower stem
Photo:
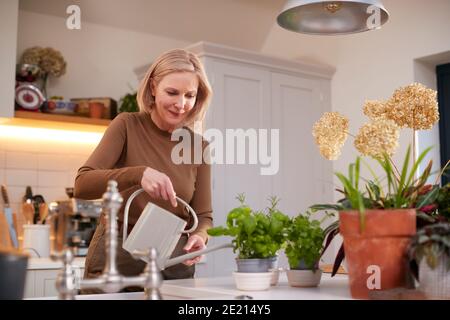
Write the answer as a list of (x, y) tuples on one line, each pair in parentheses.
[(354, 137), (414, 146), (442, 172), (395, 167)]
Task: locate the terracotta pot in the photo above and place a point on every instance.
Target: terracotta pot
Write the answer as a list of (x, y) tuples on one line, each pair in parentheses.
[(96, 110), (380, 250)]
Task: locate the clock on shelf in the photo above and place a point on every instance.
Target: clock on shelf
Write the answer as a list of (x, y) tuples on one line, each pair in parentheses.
[(29, 97)]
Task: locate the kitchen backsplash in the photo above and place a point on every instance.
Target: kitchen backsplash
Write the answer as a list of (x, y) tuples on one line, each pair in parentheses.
[(47, 166)]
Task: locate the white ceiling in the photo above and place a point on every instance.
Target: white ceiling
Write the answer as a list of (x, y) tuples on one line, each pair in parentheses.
[(238, 23)]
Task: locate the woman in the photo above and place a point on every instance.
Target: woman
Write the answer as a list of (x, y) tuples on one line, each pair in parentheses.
[(136, 152)]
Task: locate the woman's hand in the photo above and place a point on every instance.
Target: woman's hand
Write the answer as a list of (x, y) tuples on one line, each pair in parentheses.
[(158, 185), (194, 243)]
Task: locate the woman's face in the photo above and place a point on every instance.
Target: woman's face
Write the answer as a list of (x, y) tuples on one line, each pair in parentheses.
[(175, 96)]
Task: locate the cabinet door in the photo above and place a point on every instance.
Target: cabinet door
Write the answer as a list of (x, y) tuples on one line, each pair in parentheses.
[(45, 281), (241, 101), (304, 177), (29, 285)]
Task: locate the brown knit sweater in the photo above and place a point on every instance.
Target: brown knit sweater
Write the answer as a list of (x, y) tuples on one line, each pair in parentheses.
[(131, 143)]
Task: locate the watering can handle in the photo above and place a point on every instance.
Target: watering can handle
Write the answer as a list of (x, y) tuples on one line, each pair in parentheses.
[(127, 209)]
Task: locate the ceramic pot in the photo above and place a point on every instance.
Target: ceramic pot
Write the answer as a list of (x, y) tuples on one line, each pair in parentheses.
[(256, 265), (435, 283), (96, 110), (13, 267), (304, 278), (257, 281), (376, 257)]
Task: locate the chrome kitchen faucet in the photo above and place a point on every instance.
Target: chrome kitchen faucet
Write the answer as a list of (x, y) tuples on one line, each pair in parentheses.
[(110, 280)]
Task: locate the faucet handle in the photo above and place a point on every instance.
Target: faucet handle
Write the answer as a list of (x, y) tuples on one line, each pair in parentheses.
[(152, 273)]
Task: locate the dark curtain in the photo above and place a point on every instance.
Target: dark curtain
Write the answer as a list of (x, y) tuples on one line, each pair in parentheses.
[(443, 82)]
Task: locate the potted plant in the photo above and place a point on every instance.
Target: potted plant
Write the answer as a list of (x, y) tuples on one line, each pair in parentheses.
[(430, 250), (304, 246), (128, 103), (257, 238), (377, 217)]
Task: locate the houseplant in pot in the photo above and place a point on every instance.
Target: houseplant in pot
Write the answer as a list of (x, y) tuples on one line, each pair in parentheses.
[(377, 217), (128, 103), (304, 246), (257, 238), (430, 249)]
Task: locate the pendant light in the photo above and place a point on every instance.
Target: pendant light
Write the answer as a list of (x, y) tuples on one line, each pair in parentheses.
[(332, 17)]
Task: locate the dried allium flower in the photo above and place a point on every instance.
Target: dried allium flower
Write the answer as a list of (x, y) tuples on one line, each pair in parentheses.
[(32, 56), (49, 60), (414, 107), (375, 109), (52, 62), (378, 137), (330, 133)]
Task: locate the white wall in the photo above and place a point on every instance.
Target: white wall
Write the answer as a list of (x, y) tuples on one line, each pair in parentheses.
[(100, 59), (47, 166), (8, 40), (373, 64)]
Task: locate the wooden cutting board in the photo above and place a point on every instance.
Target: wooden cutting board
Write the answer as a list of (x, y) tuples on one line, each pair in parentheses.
[(5, 238)]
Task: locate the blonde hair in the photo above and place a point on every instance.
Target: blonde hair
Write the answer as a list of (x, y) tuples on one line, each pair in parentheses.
[(177, 60)]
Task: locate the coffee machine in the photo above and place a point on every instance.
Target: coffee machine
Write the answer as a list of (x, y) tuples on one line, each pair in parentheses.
[(81, 230)]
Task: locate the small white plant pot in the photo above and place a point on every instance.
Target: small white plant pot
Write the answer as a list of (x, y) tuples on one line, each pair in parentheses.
[(304, 278), (248, 281), (435, 283)]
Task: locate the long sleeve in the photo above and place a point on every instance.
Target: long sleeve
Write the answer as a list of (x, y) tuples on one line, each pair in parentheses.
[(93, 176), (201, 200)]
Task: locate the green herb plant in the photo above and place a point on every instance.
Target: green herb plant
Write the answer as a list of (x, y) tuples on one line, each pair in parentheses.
[(256, 234), (305, 240)]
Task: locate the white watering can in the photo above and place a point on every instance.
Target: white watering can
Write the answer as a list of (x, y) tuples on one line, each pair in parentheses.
[(160, 229)]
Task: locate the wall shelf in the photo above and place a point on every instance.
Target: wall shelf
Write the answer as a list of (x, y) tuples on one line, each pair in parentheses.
[(60, 118), (54, 121)]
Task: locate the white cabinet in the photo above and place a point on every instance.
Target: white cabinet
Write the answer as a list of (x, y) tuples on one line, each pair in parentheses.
[(42, 274), (304, 178), (9, 16), (257, 92)]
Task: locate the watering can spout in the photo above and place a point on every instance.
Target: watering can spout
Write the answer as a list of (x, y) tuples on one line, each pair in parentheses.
[(180, 259)]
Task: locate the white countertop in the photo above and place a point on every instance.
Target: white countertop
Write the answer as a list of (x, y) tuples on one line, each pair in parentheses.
[(223, 288), (47, 263)]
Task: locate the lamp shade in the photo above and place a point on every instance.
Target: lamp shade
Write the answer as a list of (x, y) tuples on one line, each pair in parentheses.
[(332, 17)]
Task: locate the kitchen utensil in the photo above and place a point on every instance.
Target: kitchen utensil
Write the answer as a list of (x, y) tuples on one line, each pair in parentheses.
[(160, 229), (37, 200), (43, 212), (5, 238), (9, 216), (28, 212), (28, 195), (19, 220)]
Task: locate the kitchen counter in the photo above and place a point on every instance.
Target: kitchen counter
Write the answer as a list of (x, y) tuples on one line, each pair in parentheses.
[(47, 263), (223, 288)]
